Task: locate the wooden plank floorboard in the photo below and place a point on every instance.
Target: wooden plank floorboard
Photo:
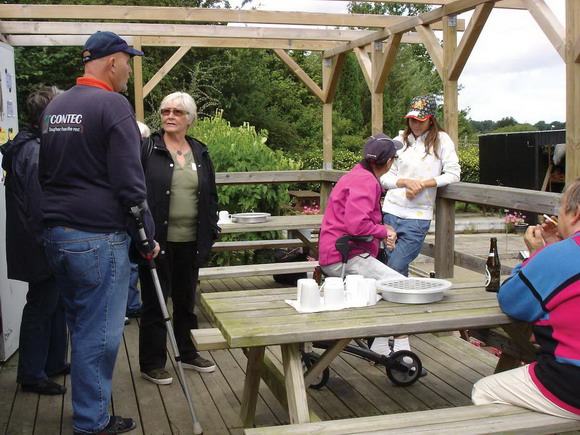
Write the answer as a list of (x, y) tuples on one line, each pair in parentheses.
[(124, 401), (9, 388)]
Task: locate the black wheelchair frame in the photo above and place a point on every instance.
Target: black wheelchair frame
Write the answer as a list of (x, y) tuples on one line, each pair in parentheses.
[(402, 367)]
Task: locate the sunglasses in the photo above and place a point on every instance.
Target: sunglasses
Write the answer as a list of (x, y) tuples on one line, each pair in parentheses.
[(176, 112)]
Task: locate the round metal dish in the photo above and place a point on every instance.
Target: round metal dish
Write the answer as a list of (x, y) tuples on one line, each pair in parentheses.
[(413, 290), (250, 218)]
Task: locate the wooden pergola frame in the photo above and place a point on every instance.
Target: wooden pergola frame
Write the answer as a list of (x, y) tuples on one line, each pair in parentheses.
[(374, 50)]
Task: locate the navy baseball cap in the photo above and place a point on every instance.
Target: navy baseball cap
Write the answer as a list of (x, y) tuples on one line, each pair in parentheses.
[(101, 44), (381, 148)]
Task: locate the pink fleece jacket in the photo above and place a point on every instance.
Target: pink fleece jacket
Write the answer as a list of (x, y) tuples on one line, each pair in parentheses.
[(353, 208)]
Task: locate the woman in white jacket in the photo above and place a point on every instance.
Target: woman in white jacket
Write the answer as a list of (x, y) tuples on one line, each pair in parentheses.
[(428, 160)]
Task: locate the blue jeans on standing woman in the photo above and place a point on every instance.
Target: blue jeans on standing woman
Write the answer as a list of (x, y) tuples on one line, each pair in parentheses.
[(411, 234), (42, 348), (92, 273)]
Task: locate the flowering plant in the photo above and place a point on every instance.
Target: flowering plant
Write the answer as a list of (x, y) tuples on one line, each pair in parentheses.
[(514, 219), (315, 209)]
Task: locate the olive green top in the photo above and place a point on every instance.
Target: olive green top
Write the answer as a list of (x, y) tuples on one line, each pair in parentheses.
[(183, 203)]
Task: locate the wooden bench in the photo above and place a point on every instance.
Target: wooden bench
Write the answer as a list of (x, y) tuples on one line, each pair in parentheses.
[(208, 339), (256, 269), (485, 419), (243, 245)]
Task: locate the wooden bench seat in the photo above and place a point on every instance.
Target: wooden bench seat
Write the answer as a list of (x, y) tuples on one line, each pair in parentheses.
[(243, 245), (486, 419), (256, 269), (208, 339)]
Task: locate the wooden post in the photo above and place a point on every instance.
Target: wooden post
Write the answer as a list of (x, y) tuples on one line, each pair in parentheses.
[(572, 90), (450, 86), (326, 119), (445, 214), (138, 81), (377, 96)]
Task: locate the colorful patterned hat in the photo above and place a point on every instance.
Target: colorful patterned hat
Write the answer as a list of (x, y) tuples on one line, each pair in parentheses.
[(422, 107)]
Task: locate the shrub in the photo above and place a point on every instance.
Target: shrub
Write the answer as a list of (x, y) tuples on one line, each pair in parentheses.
[(242, 149), (469, 161)]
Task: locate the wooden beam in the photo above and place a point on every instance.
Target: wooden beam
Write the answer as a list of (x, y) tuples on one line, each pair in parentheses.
[(365, 65), (177, 41), (468, 40), (180, 41), (201, 15), (430, 17), (300, 73), (384, 63), (549, 23), (164, 70), (505, 4), (138, 82), (377, 97), (576, 54), (149, 29), (331, 79), (530, 201), (433, 46)]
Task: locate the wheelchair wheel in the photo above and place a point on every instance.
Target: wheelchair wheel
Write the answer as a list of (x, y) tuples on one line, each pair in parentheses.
[(308, 360), (403, 367)]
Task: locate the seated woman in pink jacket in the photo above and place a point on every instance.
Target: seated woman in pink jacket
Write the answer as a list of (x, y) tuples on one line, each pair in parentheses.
[(354, 208)]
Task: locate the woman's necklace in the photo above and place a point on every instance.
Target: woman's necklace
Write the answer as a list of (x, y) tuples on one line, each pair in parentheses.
[(179, 153)]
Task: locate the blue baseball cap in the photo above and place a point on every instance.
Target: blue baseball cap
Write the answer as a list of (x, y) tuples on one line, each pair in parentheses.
[(101, 44)]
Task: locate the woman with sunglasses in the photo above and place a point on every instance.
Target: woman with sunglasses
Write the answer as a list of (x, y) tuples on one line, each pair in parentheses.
[(182, 196), (428, 160)]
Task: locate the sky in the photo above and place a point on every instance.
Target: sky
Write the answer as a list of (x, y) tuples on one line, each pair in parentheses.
[(513, 69)]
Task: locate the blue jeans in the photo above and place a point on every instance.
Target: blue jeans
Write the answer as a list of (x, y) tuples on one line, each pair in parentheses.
[(42, 347), (410, 237), (92, 273), (133, 303)]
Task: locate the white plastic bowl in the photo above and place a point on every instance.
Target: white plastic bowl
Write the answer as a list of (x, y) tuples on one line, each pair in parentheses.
[(413, 290)]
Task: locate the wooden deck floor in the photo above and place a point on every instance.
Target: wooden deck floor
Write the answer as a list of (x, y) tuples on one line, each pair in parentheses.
[(355, 387)]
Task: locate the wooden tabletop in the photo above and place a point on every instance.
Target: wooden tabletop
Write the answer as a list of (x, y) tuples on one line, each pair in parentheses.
[(262, 318), (276, 223)]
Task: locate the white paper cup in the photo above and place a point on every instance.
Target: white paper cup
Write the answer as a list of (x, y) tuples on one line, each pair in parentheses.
[(352, 295), (334, 294), (309, 298), (224, 216), (299, 285), (368, 291)]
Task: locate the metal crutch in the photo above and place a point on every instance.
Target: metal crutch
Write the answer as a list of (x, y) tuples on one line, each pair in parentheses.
[(136, 212)]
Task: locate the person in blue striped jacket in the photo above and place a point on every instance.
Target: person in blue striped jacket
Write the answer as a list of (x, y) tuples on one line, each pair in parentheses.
[(545, 290)]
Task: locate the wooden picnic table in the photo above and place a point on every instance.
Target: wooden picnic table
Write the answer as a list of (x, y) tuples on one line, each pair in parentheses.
[(255, 319), (279, 223), (276, 223)]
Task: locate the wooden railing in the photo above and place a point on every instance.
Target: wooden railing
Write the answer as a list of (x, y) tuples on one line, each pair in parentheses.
[(530, 201)]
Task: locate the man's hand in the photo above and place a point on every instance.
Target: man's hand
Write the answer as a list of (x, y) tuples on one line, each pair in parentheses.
[(550, 232), (533, 239), (391, 237)]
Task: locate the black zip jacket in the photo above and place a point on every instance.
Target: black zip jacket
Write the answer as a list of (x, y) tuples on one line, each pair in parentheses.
[(25, 256), (158, 168)]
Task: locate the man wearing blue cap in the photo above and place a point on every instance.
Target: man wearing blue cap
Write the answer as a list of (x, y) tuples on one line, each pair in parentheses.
[(91, 175)]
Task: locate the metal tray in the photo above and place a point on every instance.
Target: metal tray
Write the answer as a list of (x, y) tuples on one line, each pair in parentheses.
[(413, 290), (250, 218)]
